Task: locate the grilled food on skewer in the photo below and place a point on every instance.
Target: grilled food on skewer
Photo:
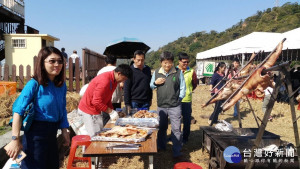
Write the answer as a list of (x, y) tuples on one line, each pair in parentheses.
[(257, 81), (233, 85)]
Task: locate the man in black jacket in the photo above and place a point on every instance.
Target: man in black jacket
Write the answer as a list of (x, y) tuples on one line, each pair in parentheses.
[(137, 91)]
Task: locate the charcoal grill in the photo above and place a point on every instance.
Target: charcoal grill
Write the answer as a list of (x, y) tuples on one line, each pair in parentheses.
[(249, 133), (212, 142), (216, 142)]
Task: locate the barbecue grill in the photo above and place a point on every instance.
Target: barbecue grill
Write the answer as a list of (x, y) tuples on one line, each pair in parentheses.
[(249, 133), (215, 142)]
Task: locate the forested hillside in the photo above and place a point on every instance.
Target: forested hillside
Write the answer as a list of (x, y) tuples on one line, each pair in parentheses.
[(277, 19)]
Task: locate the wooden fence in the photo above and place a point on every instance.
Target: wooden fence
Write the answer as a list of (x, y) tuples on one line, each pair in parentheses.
[(92, 62)]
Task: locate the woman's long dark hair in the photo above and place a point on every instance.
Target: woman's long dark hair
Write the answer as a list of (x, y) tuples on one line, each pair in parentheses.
[(40, 73), (220, 65)]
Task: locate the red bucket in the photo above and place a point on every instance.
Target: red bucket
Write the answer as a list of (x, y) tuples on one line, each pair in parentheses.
[(186, 165)]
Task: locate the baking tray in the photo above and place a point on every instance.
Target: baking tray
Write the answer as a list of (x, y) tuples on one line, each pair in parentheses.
[(101, 138), (141, 122)]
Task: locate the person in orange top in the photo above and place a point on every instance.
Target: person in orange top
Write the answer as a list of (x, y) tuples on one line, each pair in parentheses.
[(97, 98)]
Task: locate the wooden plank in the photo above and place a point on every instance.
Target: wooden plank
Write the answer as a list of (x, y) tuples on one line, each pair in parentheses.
[(83, 67), (13, 73), (6, 72), (77, 75), (34, 63), (28, 73), (70, 75), (21, 77)]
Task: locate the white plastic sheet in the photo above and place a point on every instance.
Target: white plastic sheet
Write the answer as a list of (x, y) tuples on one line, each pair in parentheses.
[(224, 126)]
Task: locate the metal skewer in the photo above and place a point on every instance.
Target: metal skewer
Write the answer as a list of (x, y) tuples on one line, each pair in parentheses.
[(263, 62), (231, 79)]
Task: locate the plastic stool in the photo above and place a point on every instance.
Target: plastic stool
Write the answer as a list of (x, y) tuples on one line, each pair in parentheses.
[(186, 165), (79, 140)]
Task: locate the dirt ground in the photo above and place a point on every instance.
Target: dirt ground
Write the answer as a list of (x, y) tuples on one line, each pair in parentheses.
[(280, 125)]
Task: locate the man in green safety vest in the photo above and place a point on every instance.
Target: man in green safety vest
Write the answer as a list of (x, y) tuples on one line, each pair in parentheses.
[(191, 82)]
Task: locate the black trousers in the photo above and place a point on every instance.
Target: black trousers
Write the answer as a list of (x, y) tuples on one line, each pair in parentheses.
[(40, 146), (215, 114)]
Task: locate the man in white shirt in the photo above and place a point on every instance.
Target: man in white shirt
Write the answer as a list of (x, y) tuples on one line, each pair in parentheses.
[(117, 95), (74, 56)]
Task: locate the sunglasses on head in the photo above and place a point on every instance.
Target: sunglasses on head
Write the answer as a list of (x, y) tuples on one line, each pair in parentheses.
[(52, 61)]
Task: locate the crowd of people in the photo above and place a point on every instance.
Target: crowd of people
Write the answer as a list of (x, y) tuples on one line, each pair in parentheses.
[(102, 96)]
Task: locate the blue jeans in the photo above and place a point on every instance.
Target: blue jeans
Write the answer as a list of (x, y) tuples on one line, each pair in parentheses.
[(40, 146), (186, 108), (236, 108), (175, 118), (140, 105)]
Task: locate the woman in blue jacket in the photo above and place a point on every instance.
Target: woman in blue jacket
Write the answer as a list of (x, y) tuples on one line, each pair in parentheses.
[(47, 90)]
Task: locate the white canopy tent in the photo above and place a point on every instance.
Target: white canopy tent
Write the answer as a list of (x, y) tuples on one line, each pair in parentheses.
[(254, 42), (292, 39)]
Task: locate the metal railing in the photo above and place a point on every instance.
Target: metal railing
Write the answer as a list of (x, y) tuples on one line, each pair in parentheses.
[(10, 28), (15, 6)]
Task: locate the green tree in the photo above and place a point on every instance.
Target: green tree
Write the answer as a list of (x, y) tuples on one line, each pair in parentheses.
[(277, 19)]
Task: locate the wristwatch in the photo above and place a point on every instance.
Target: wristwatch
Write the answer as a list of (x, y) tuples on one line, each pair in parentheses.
[(14, 137)]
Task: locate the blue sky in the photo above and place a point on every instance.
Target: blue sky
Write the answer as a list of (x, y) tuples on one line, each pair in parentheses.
[(95, 23)]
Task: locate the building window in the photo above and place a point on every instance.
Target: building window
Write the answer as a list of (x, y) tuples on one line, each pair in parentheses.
[(19, 43)]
